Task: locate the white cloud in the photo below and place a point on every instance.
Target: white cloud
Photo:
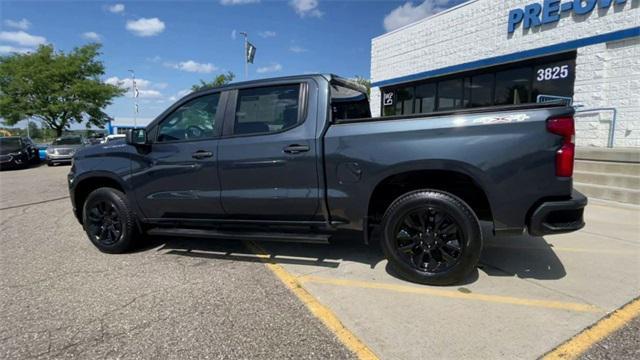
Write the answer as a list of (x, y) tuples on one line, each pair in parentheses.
[(193, 66), (144, 87), (8, 49), (22, 38), (408, 13), (238, 2), (116, 8), (269, 69), (297, 49), (306, 8), (234, 34), (146, 27), (90, 35), (267, 34), (22, 24)]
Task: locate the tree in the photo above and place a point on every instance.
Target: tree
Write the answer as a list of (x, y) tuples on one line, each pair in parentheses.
[(57, 88), (219, 80), (364, 82)]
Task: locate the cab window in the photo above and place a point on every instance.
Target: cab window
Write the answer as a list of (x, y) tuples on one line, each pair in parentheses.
[(191, 121), (267, 110)]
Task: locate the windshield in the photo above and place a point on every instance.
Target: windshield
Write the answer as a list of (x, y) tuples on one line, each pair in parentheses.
[(68, 141), (347, 103), (10, 143)]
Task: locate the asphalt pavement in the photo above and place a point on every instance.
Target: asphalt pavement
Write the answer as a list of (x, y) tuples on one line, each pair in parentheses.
[(61, 298)]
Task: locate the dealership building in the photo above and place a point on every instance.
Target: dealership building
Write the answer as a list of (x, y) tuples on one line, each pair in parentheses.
[(490, 53)]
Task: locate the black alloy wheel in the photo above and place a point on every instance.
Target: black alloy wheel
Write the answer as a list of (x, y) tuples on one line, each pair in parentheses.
[(104, 223), (109, 222), (429, 239)]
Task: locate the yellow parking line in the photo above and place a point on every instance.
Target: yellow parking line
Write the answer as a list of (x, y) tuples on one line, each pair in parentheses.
[(576, 346), (328, 318), (453, 294)]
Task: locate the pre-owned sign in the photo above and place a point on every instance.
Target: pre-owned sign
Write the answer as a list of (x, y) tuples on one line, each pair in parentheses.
[(534, 15)]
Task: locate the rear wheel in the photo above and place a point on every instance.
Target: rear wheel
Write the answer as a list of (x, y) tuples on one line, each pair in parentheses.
[(109, 221), (431, 237)]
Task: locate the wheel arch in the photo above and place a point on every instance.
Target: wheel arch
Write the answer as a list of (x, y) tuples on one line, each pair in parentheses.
[(85, 185), (454, 180)]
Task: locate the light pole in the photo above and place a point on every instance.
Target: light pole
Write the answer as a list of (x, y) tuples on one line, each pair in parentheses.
[(246, 49), (134, 90)]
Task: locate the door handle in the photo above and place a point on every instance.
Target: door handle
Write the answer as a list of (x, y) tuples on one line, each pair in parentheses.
[(296, 149), (201, 154)]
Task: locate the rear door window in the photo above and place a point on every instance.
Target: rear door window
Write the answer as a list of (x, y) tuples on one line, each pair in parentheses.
[(267, 109)]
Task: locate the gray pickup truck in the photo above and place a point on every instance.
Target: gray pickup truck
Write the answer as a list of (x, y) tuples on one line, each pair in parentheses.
[(300, 159)]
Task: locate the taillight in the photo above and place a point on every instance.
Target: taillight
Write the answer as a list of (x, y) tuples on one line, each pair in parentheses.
[(564, 126)]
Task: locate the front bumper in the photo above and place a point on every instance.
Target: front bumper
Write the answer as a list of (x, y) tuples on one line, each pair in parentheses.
[(557, 217), (12, 161), (54, 158)]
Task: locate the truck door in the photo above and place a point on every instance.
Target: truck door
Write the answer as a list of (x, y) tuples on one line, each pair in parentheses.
[(268, 155), (177, 178)]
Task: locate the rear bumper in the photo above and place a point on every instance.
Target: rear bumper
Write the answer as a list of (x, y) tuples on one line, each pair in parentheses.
[(557, 217)]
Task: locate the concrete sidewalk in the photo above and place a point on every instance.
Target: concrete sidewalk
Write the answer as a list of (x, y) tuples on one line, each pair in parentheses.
[(529, 295)]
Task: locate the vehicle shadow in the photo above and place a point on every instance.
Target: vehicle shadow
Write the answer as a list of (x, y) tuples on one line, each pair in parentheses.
[(522, 256)]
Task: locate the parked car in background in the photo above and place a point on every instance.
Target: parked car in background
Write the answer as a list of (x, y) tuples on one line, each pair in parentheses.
[(113, 137), (95, 139), (62, 149), (17, 152), (42, 151)]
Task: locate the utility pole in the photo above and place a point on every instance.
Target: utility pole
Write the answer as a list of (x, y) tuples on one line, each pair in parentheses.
[(246, 51), (134, 90)]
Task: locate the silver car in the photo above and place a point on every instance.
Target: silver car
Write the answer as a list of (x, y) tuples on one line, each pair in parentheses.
[(62, 149)]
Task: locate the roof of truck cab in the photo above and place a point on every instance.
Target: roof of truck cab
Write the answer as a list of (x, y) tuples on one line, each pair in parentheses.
[(328, 77)]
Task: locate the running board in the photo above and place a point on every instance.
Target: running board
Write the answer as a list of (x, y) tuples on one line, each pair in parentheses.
[(241, 235)]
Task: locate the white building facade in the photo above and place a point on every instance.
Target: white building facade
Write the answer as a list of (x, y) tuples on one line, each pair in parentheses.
[(490, 53)]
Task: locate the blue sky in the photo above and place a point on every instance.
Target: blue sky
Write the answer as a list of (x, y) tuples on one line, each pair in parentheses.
[(171, 44)]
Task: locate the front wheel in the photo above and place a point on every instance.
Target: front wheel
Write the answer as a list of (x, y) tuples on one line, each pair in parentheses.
[(109, 221), (431, 237)]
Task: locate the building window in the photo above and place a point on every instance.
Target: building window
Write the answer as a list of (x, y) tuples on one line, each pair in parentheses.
[(509, 84), (554, 79), (481, 90), (450, 94), (425, 98), (513, 86), (401, 102)]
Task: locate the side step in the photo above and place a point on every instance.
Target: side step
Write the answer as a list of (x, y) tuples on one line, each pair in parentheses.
[(241, 235)]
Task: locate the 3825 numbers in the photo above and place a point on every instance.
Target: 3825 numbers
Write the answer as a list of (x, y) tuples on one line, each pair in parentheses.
[(552, 73)]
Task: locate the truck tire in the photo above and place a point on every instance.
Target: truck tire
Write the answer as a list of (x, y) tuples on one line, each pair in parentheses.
[(109, 221), (431, 237)]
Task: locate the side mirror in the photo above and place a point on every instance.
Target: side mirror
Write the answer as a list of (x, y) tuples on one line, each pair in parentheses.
[(136, 137)]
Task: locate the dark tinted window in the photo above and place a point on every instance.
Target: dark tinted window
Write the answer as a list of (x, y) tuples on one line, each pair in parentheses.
[(555, 79), (72, 140), (267, 109), (425, 98), (10, 143), (450, 94), (513, 86), (191, 121), (481, 90), (347, 103), (508, 84)]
